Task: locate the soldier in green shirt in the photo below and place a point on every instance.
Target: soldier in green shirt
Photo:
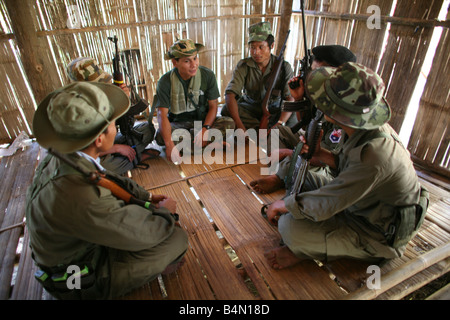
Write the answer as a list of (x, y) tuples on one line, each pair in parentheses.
[(72, 222), (184, 95), (375, 204), (246, 90)]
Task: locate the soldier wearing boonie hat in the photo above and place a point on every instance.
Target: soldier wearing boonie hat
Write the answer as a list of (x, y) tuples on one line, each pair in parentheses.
[(375, 204), (323, 55), (74, 222), (186, 95), (87, 69)]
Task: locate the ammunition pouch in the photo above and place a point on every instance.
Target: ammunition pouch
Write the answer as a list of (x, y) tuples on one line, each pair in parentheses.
[(408, 221), (57, 281)]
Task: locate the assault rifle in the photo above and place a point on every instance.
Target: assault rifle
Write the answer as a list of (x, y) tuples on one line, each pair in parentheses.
[(304, 105), (275, 73), (106, 181), (126, 122), (299, 166), (300, 162)]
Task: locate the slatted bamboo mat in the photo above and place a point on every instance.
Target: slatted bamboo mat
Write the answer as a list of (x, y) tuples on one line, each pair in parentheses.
[(227, 238)]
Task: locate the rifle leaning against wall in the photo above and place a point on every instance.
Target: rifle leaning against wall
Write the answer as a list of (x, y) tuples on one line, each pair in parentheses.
[(275, 73), (126, 122)]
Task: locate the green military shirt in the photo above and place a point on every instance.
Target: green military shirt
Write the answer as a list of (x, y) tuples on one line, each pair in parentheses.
[(208, 89), (373, 179), (71, 220), (248, 84)]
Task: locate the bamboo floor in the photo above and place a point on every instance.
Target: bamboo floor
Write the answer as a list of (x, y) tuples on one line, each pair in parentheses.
[(227, 239)]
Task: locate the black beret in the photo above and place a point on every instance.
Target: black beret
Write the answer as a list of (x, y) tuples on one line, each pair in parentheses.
[(334, 55)]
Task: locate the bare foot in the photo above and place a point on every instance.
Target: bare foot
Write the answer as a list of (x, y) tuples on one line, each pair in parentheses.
[(281, 257), (267, 184)]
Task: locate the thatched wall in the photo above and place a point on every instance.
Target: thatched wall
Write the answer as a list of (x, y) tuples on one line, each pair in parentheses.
[(37, 41)]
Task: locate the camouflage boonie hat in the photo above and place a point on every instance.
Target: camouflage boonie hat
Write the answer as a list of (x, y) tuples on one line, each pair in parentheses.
[(87, 69), (259, 31), (351, 94), (183, 48)]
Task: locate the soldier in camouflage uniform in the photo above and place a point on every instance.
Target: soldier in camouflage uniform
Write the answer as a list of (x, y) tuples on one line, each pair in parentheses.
[(375, 204), (187, 94), (121, 156), (247, 87), (322, 56)]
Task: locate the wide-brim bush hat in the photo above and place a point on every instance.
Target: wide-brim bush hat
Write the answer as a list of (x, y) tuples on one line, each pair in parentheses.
[(72, 117), (87, 69), (351, 94), (183, 48)]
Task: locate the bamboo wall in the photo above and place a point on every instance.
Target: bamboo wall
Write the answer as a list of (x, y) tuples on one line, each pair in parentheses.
[(146, 29)]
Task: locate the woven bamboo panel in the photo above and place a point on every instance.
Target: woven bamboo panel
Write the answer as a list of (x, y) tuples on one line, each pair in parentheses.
[(236, 213)]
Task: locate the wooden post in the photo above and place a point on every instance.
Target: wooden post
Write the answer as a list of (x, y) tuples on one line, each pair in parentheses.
[(283, 26), (35, 54)]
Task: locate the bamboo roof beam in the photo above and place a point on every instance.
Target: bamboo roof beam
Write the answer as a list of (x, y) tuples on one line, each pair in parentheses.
[(383, 18)]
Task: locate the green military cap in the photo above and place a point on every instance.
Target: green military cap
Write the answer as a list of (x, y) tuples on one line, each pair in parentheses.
[(87, 69), (259, 31), (72, 117), (351, 94), (183, 48)]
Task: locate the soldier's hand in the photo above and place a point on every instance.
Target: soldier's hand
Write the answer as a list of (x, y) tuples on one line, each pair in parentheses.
[(275, 210), (169, 204), (157, 198), (126, 151), (299, 92)]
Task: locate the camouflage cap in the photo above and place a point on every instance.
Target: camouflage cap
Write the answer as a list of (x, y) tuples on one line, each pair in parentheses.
[(351, 95), (72, 117), (183, 48), (87, 69), (259, 31)]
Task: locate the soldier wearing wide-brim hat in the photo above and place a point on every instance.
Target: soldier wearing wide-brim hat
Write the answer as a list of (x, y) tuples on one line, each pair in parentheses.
[(186, 95), (322, 56), (375, 204), (72, 221)]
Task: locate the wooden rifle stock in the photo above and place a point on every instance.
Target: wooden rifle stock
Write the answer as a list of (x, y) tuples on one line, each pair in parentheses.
[(100, 179), (275, 73)]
